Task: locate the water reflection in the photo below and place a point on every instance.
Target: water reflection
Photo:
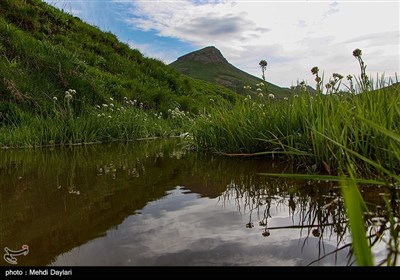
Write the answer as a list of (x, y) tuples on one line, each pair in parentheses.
[(155, 203)]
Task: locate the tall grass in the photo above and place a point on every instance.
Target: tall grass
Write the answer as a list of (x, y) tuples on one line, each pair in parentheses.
[(303, 126), (106, 122)]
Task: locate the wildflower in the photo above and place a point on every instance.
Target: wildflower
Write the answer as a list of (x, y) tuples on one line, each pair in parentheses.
[(258, 89), (261, 95), (314, 70), (337, 75), (73, 92), (296, 96), (97, 106), (357, 53), (271, 96), (125, 98), (112, 105), (55, 98), (104, 105), (109, 117), (99, 115), (286, 98), (263, 64), (68, 96), (249, 96), (211, 100), (111, 99)]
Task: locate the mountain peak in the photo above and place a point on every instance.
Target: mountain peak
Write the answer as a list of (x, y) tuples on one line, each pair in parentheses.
[(206, 55), (208, 64)]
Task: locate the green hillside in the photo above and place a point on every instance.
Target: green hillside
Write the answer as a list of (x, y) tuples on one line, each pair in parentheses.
[(208, 64), (44, 52)]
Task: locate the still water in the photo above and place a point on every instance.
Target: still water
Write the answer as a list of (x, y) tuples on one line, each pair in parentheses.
[(157, 203)]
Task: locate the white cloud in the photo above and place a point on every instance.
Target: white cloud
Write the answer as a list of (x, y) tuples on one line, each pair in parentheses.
[(293, 36)]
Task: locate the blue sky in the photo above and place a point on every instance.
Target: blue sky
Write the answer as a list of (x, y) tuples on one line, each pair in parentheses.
[(292, 36)]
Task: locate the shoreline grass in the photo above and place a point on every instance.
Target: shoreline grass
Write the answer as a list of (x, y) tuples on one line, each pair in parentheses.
[(303, 126)]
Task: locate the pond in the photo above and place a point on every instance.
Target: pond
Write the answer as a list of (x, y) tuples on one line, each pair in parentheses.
[(148, 203)]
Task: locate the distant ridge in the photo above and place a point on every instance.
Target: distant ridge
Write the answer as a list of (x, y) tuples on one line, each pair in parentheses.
[(210, 65), (207, 55)]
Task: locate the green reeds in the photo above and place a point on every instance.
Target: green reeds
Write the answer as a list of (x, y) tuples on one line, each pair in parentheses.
[(306, 123)]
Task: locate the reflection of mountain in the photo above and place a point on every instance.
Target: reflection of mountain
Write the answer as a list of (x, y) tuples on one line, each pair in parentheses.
[(56, 200)]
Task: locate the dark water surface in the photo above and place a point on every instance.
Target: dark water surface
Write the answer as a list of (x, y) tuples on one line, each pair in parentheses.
[(155, 203)]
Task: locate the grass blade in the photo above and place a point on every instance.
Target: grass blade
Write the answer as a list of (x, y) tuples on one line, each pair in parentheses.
[(354, 205)]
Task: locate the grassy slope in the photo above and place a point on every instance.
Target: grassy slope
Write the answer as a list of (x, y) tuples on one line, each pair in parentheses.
[(44, 52), (225, 74)]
